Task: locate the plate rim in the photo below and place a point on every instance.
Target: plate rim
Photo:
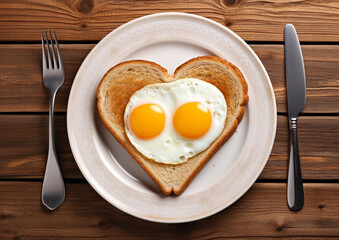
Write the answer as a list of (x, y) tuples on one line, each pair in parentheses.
[(273, 105)]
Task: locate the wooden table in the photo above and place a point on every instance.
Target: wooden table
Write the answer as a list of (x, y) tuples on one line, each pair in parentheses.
[(261, 213)]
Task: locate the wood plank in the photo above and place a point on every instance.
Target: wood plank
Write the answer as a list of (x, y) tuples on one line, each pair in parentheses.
[(24, 146), (24, 143), (21, 86), (318, 148), (22, 90), (85, 214), (253, 20), (321, 70)]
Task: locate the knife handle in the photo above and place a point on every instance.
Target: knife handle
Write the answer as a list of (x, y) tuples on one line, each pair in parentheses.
[(295, 191)]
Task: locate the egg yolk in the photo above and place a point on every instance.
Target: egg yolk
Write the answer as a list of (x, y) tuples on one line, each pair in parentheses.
[(192, 120), (147, 121)]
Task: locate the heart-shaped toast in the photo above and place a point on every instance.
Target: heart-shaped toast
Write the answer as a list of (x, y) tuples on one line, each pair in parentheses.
[(124, 79)]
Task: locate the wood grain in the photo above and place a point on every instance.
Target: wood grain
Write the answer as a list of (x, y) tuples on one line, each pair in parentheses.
[(22, 90), (24, 143), (85, 214), (21, 86), (321, 70), (262, 213), (318, 138), (24, 146), (253, 20)]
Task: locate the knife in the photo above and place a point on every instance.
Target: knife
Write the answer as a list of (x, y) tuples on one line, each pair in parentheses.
[(296, 99)]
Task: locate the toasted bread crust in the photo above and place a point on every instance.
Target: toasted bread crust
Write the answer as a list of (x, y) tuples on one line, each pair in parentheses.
[(232, 124), (170, 178), (122, 139), (228, 65), (127, 63)]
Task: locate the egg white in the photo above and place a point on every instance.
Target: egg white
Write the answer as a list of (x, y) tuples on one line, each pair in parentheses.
[(169, 147)]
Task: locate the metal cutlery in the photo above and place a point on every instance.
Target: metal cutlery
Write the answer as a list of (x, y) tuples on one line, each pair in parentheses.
[(53, 188), (296, 99)]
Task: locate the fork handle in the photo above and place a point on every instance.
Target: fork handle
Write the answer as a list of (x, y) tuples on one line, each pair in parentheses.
[(53, 188), (295, 191)]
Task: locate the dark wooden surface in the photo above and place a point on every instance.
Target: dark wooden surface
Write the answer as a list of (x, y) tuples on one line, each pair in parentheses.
[(253, 20), (261, 213)]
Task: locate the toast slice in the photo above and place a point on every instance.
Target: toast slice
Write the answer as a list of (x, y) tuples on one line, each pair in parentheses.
[(122, 80)]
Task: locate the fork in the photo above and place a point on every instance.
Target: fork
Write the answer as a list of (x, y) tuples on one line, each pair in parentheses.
[(53, 188)]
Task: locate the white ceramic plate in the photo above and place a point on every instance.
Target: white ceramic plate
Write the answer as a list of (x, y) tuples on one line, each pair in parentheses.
[(170, 39)]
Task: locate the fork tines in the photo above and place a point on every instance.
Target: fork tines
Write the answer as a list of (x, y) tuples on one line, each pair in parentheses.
[(51, 46)]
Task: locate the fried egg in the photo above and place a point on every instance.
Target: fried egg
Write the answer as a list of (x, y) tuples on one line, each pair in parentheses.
[(172, 122)]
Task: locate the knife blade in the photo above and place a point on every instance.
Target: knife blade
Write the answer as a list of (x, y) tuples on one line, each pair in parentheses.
[(296, 99)]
